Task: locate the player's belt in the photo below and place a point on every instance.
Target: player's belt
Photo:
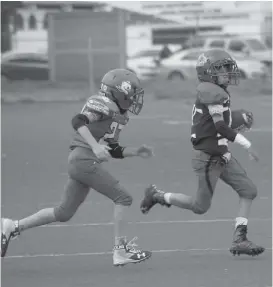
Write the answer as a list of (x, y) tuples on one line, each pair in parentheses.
[(223, 159)]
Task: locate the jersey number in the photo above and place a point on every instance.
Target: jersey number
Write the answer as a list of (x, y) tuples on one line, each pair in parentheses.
[(115, 130)]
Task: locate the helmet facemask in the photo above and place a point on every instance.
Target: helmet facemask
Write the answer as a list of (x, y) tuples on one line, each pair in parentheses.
[(137, 102), (227, 69), (133, 103)]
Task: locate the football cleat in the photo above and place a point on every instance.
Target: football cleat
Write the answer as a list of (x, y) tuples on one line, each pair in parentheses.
[(152, 196), (9, 230), (126, 252), (241, 245)]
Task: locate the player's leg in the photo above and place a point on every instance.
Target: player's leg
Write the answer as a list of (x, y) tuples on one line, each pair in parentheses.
[(75, 194), (99, 179), (207, 169), (235, 176)]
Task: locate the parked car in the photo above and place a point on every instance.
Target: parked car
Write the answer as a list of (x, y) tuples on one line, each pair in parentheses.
[(243, 47), (144, 63), (181, 65), (16, 65)]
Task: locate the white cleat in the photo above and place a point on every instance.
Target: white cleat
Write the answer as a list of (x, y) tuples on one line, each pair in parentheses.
[(9, 230), (126, 253)]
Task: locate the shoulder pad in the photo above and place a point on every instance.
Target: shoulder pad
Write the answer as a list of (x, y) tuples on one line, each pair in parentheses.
[(102, 105), (209, 93)]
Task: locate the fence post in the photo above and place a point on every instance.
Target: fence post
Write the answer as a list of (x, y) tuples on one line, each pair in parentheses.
[(51, 49), (91, 67)]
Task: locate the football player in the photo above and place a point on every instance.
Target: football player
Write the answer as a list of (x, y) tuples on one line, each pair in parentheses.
[(96, 139), (211, 131)]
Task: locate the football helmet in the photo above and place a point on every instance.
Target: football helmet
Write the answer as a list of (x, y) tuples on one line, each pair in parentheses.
[(214, 63), (124, 88)]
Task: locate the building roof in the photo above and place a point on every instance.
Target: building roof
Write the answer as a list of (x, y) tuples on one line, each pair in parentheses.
[(132, 18)]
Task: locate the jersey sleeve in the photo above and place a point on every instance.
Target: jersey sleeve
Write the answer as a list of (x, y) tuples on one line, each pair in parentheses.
[(210, 94), (92, 116), (96, 110), (216, 109)]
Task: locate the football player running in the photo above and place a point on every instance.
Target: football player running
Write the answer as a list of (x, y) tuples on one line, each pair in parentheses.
[(96, 140), (211, 131)]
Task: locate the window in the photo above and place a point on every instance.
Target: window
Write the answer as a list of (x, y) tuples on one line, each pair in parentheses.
[(19, 22), (45, 22), (192, 56), (146, 53), (255, 45), (29, 59), (194, 43), (32, 22), (217, 44), (236, 45)]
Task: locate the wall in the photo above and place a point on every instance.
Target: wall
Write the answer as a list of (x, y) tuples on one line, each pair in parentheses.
[(73, 56)]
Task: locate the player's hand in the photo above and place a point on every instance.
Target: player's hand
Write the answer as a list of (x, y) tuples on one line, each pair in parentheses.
[(253, 154), (145, 151), (102, 152)]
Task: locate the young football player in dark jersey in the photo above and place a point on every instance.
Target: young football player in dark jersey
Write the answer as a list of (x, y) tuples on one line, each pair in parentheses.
[(96, 139), (211, 131)]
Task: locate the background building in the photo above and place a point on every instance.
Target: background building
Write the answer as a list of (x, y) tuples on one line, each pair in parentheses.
[(151, 23)]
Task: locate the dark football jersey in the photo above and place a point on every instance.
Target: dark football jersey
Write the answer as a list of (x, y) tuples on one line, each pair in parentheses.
[(107, 127), (203, 132)]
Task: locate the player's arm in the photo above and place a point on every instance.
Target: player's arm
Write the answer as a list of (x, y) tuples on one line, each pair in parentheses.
[(130, 152), (216, 112), (94, 110), (118, 151), (79, 123)]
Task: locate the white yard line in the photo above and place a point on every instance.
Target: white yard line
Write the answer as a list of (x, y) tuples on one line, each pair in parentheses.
[(204, 250), (154, 222)]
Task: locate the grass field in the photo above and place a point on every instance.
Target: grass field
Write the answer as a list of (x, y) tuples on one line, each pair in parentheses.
[(188, 250)]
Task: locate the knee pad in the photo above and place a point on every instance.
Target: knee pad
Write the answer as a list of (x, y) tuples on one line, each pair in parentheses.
[(123, 197), (62, 215), (250, 191), (253, 192), (200, 209)]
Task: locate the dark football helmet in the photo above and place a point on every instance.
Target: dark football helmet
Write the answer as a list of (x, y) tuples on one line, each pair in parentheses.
[(124, 88), (215, 63)]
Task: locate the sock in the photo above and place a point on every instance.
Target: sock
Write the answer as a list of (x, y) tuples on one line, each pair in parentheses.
[(119, 223), (240, 221), (167, 197)]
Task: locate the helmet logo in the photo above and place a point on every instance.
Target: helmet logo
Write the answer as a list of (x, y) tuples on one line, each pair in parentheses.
[(202, 60), (103, 87), (125, 87)]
